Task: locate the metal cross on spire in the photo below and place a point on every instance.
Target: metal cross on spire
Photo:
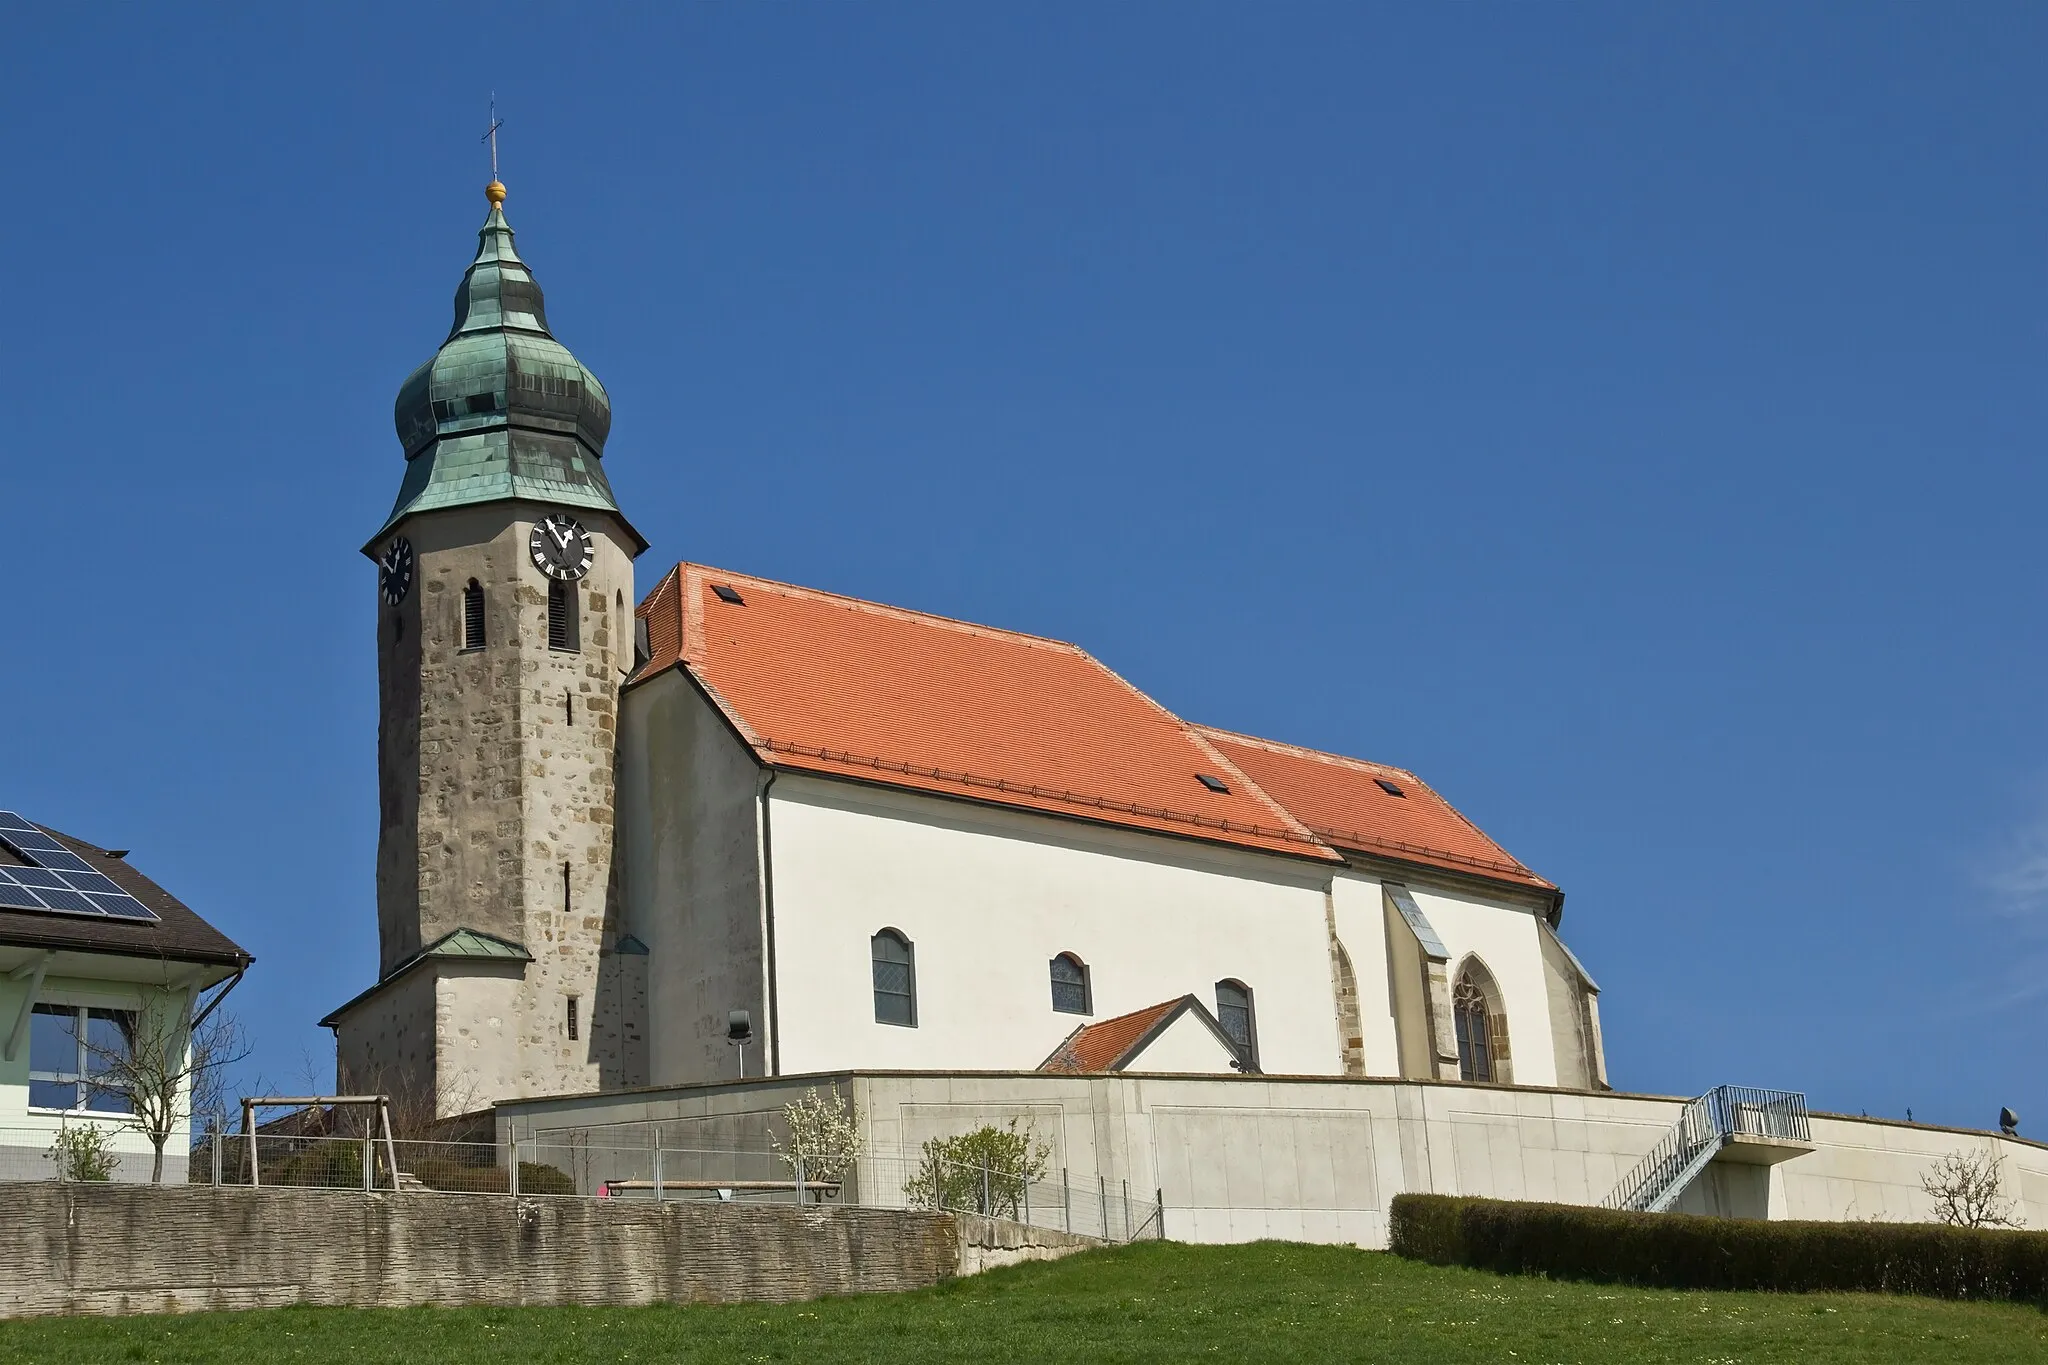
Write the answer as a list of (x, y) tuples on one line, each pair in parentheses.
[(491, 134)]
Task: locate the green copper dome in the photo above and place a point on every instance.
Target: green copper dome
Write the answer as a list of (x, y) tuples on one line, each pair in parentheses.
[(503, 410)]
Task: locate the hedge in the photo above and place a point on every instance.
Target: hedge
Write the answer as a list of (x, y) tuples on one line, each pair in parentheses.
[(1680, 1251)]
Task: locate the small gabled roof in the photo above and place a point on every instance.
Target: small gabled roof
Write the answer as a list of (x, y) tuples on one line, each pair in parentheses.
[(455, 944), (1114, 1044), (817, 682)]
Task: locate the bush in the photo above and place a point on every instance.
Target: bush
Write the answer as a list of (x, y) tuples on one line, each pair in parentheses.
[(1679, 1251), (456, 1176), (985, 1171), (84, 1152)]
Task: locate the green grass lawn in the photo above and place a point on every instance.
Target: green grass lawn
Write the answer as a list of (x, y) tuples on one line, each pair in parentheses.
[(1149, 1302)]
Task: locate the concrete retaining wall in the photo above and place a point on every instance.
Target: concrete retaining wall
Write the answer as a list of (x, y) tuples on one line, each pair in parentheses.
[(133, 1249)]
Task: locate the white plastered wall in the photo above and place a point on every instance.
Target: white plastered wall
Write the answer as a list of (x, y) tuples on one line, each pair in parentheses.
[(1356, 903), (1506, 939), (988, 897), (1187, 1046)]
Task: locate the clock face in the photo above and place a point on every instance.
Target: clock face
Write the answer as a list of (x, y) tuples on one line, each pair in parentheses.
[(560, 547), (394, 571)]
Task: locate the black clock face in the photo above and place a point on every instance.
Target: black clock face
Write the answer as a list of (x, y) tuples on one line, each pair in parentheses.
[(560, 547), (394, 571)]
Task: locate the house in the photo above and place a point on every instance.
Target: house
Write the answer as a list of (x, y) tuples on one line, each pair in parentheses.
[(97, 963)]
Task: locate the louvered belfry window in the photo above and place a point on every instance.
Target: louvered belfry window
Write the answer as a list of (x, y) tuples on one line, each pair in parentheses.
[(473, 615), (562, 632)]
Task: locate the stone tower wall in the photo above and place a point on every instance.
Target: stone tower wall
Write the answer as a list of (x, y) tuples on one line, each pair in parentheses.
[(496, 783)]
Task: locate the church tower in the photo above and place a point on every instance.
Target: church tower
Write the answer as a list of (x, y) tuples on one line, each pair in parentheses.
[(504, 629)]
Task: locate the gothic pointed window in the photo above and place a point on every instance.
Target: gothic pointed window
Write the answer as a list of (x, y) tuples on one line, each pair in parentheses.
[(1482, 1026), (563, 630), (473, 615), (1234, 1013), (1070, 985), (895, 968)]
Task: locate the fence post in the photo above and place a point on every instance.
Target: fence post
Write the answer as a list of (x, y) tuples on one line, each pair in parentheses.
[(1066, 1202), (1024, 1212), (657, 1170), (1102, 1195), (988, 1207), (799, 1178), (220, 1126), (1159, 1211), (369, 1160), (1127, 1210), (512, 1167)]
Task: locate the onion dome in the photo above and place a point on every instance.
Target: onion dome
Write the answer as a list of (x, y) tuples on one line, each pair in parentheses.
[(503, 410)]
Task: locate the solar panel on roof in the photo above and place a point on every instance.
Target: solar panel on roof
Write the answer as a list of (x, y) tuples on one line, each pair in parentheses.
[(60, 882)]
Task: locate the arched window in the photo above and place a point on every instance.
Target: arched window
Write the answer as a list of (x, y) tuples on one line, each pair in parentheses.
[(563, 632), (1070, 985), (473, 615), (1234, 1012), (1482, 1026), (895, 979)]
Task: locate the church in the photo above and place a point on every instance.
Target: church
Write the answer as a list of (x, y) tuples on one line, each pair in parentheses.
[(737, 827)]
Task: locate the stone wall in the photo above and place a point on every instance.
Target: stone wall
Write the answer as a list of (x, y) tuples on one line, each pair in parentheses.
[(135, 1249)]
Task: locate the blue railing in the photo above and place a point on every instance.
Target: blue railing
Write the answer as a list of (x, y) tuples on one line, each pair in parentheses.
[(1704, 1127)]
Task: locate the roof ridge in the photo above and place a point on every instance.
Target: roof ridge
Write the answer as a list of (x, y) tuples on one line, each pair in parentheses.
[(885, 609)]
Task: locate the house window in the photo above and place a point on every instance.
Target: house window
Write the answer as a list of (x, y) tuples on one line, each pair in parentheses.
[(563, 631), (71, 1050), (473, 615), (1482, 1026), (895, 979), (1070, 985), (572, 1019), (1234, 1012)]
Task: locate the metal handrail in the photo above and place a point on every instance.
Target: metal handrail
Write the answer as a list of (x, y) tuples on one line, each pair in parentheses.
[(1707, 1124)]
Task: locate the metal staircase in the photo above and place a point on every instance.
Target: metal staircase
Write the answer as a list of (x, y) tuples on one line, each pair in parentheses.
[(1723, 1115)]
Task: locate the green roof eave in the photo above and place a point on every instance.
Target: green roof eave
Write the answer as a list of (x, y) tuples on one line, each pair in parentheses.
[(472, 944)]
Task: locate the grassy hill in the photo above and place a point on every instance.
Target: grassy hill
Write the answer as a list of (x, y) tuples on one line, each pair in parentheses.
[(1150, 1302)]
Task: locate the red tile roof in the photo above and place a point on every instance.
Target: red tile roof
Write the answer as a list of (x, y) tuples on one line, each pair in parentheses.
[(816, 682), (1100, 1047), (1341, 800), (830, 684)]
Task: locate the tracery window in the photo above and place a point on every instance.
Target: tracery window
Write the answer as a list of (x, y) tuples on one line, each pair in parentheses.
[(1475, 1043), (1070, 985), (895, 968)]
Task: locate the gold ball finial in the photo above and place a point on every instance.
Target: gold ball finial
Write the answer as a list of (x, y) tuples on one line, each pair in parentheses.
[(495, 192)]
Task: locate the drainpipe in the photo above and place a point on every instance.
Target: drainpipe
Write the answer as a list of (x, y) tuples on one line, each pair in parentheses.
[(771, 1045)]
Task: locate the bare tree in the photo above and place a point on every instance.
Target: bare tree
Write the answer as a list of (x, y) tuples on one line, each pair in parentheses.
[(1968, 1190), (165, 1069)]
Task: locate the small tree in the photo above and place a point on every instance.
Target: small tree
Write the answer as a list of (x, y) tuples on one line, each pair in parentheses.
[(1968, 1190), (824, 1136), (84, 1152), (985, 1171), (161, 1064)]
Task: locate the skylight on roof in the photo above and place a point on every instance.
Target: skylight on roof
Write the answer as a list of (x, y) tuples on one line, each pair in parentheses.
[(1214, 784), (728, 594), (1388, 787)]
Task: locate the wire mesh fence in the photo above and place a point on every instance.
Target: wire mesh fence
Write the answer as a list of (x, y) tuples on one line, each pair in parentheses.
[(592, 1165)]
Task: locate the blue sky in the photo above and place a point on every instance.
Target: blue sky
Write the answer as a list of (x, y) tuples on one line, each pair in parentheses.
[(1630, 417)]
